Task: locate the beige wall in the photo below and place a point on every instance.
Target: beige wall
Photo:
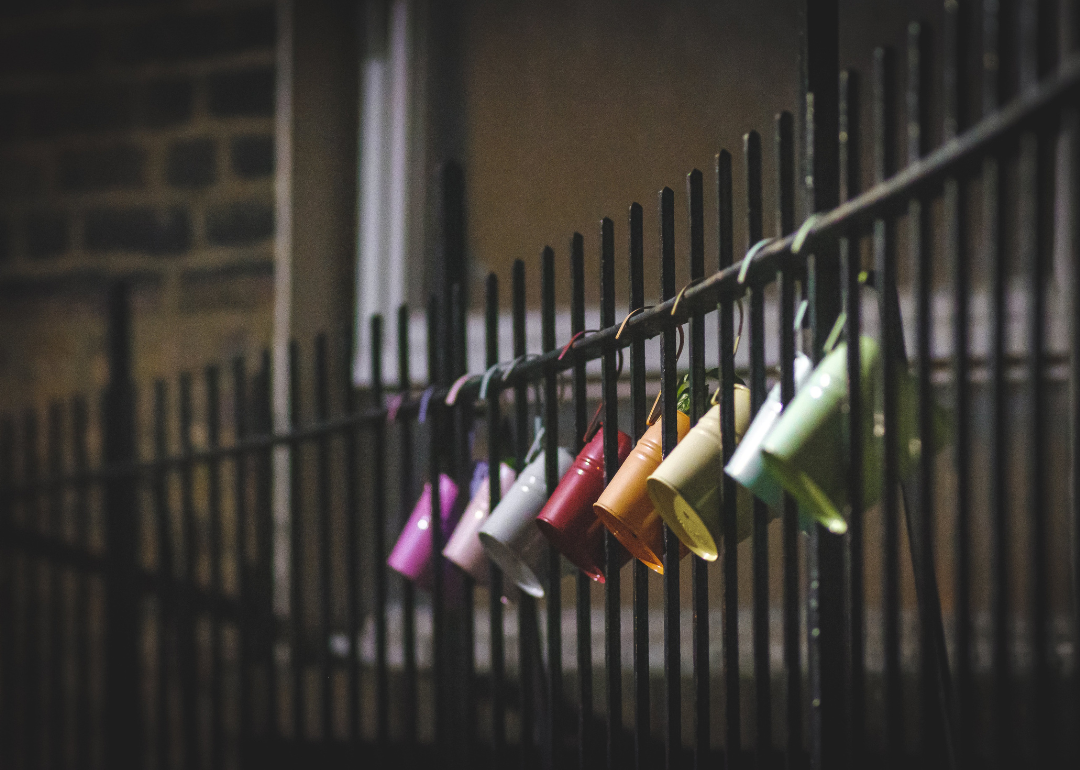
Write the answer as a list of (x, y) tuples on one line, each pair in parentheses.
[(577, 108)]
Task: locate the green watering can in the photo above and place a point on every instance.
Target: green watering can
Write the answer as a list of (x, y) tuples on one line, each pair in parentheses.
[(807, 450)]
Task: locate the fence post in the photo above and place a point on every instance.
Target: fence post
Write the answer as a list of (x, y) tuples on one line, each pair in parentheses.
[(827, 642), (123, 729)]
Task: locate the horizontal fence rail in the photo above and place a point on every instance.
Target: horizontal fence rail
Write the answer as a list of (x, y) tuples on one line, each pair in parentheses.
[(188, 579)]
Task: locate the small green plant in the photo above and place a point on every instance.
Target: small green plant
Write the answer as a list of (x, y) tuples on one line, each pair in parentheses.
[(682, 395)]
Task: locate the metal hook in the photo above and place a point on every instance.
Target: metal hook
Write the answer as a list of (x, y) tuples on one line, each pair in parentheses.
[(749, 258), (575, 338), (486, 380), (805, 231), (513, 364), (631, 314), (679, 296), (459, 383)]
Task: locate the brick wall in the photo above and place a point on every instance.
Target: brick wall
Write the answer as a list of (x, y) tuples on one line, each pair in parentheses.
[(136, 139)]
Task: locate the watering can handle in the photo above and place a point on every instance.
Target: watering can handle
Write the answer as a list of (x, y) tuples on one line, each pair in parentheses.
[(834, 335), (653, 416), (538, 441)]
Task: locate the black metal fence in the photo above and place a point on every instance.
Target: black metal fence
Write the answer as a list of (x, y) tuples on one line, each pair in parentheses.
[(220, 596)]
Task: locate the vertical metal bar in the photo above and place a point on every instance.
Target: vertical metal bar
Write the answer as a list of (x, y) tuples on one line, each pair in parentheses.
[(57, 739), (957, 23), (1037, 46), (669, 436), (461, 668), (167, 573), (551, 473), (583, 598), (699, 398), (612, 549), (213, 508), (27, 609), (820, 70), (642, 731), (187, 645), (9, 706), (994, 215), (43, 581), (52, 586), (919, 223), (83, 662), (935, 686), (20, 568), (453, 272), (851, 267), (29, 620), (242, 556), (827, 641), (787, 278), (726, 355), (296, 549), (437, 435), (460, 463), (760, 542), (1071, 126), (406, 489), (464, 652), (350, 505), (32, 612), (264, 550), (122, 714), (324, 556), (1071, 129), (1073, 138), (495, 605), (527, 628), (885, 267), (378, 540)]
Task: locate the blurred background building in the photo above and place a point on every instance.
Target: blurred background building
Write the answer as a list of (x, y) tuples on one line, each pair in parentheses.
[(221, 153)]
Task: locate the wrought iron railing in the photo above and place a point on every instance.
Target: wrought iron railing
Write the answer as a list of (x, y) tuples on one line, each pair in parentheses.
[(230, 603)]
